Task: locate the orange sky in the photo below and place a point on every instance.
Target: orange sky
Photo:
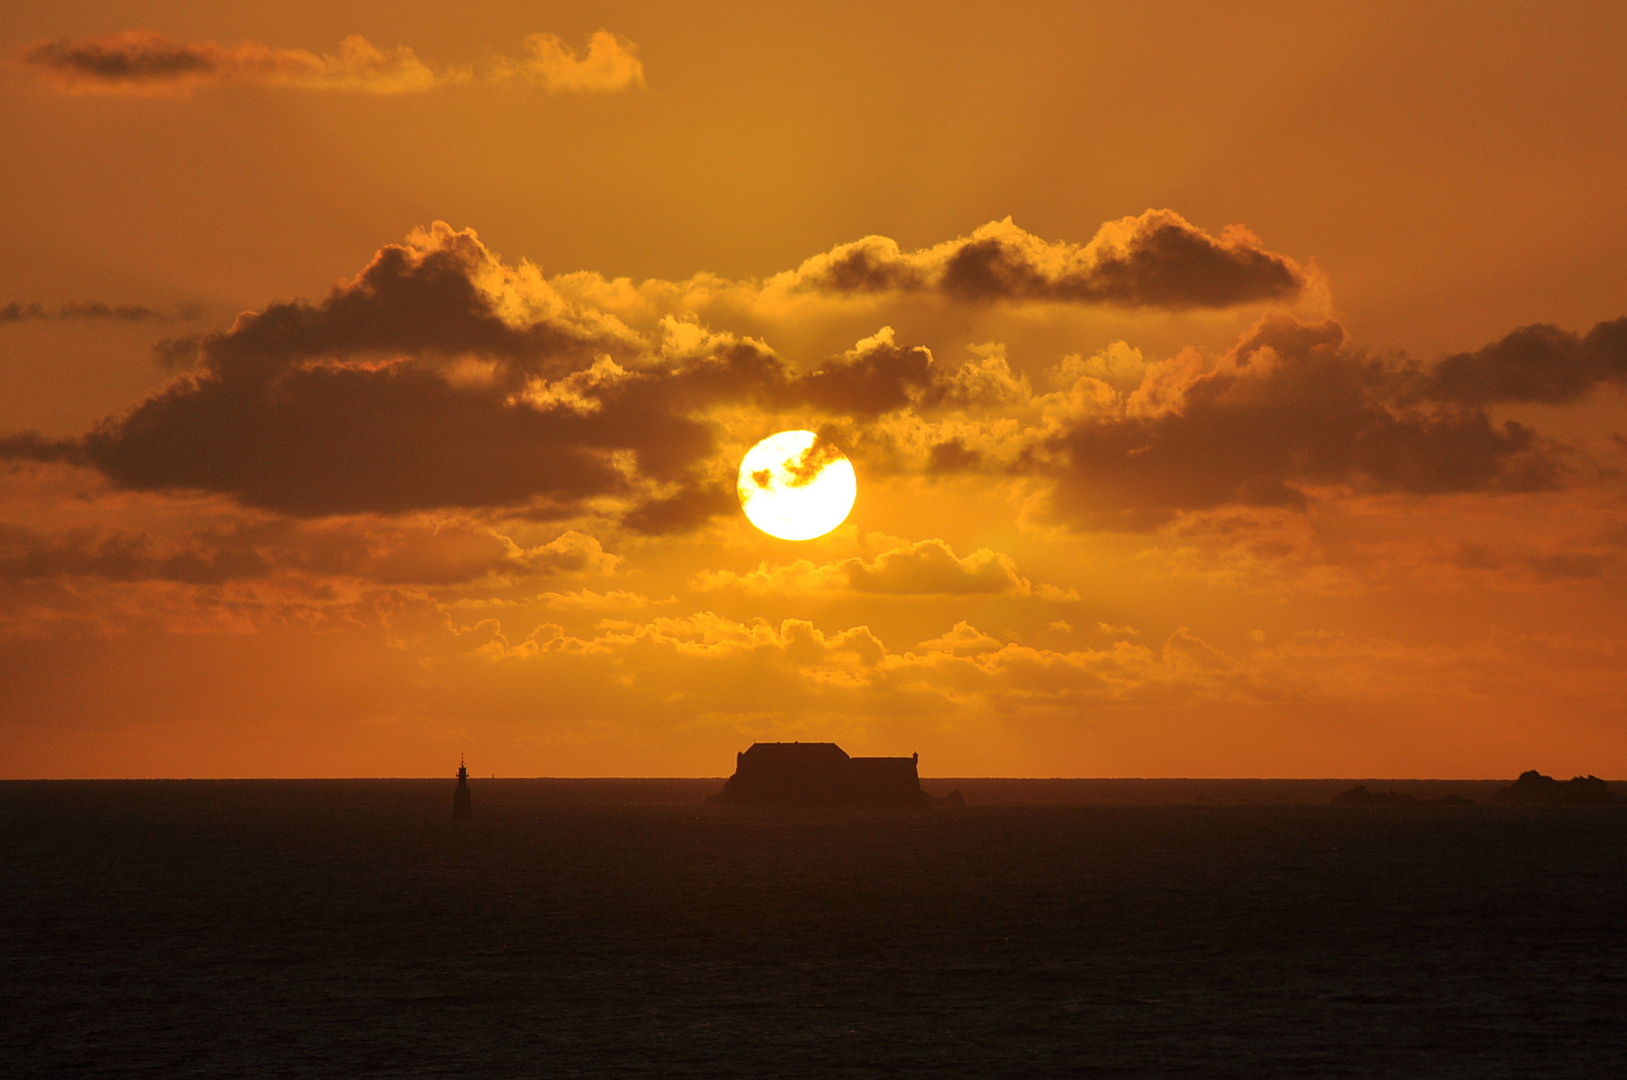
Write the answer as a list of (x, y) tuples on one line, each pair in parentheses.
[(1232, 391)]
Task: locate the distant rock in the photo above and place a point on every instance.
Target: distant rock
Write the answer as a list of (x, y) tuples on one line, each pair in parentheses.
[(1360, 796), (1534, 789)]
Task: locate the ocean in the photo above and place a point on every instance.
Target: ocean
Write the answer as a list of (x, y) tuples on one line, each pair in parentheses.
[(620, 929)]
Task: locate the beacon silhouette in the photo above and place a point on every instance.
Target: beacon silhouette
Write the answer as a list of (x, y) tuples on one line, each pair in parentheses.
[(461, 806)]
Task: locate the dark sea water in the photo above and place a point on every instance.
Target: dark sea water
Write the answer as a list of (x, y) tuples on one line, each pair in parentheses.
[(353, 928)]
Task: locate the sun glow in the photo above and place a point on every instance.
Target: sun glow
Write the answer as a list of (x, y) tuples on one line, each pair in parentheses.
[(796, 486)]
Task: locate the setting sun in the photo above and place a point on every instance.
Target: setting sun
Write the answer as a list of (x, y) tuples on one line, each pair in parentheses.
[(796, 486)]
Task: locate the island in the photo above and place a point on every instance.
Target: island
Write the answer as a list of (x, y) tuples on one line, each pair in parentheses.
[(1360, 796), (1535, 789), (822, 774)]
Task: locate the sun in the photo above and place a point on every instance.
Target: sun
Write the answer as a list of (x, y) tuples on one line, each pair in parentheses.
[(796, 486)]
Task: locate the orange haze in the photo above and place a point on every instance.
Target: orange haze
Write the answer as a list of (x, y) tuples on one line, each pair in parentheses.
[(1232, 390)]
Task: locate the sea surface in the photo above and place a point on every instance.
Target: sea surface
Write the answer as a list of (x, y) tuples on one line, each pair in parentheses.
[(619, 929)]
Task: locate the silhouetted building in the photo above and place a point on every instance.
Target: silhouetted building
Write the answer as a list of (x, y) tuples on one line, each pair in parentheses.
[(821, 774), (461, 806)]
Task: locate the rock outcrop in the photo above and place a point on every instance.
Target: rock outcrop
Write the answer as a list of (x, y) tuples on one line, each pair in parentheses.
[(1534, 789), (1360, 796)]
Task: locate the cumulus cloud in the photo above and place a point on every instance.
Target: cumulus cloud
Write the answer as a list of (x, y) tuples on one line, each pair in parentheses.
[(408, 388), (610, 63), (589, 600), (1291, 413), (1289, 409), (931, 566), (1155, 260), (709, 665), (923, 568), (1533, 363), (145, 62), (441, 377), (687, 510), (962, 638), (875, 376)]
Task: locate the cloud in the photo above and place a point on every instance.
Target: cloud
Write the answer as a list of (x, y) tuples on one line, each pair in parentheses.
[(1287, 410), (923, 568), (442, 378), (1539, 363), (410, 387), (588, 600), (1293, 412), (931, 566), (94, 311), (875, 376), (683, 512), (609, 65), (437, 553), (146, 63), (708, 665), (1156, 260), (115, 555), (963, 638)]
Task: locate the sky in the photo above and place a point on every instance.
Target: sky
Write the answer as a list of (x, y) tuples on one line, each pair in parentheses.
[(1232, 390)]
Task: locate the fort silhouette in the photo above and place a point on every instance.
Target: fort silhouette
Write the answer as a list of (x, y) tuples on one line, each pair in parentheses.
[(822, 774)]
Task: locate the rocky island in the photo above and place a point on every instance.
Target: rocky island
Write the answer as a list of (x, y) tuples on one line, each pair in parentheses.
[(1535, 789)]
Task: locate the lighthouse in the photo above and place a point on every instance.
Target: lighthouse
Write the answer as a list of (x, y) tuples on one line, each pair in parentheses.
[(461, 807)]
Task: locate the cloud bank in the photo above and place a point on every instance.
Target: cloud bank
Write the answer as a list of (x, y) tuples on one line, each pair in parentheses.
[(441, 377)]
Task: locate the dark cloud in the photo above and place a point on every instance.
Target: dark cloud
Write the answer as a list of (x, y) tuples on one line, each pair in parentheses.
[(1540, 363), (952, 457), (133, 57), (875, 378), (32, 446), (325, 441), (681, 513), (118, 555), (408, 301), (1575, 565), (177, 353), (820, 452), (405, 390), (1291, 408), (438, 378), (94, 311), (871, 265), (1157, 260), (146, 62)]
